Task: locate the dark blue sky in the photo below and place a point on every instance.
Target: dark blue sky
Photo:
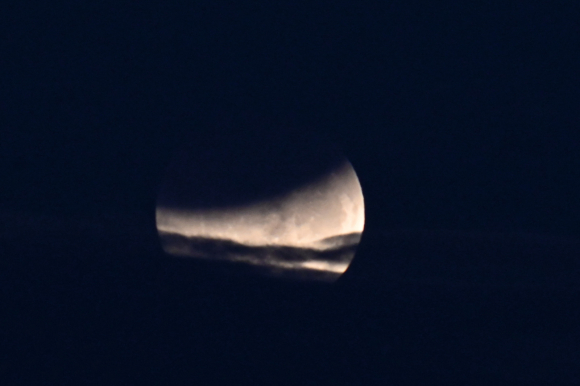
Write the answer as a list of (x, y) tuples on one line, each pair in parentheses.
[(461, 115), (458, 115)]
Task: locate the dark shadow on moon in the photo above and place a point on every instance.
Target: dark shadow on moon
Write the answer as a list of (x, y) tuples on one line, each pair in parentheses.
[(234, 170), (272, 260)]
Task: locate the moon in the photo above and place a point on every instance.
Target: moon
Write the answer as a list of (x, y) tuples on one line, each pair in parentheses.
[(300, 215)]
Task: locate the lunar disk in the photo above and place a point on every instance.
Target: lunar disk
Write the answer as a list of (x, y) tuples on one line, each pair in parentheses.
[(293, 213)]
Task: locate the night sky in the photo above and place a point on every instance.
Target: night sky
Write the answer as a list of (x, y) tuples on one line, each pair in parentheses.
[(458, 117)]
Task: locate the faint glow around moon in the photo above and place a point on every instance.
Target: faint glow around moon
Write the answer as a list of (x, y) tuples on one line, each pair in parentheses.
[(323, 216)]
